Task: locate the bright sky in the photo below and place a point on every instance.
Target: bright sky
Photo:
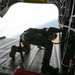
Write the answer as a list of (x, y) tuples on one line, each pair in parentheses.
[(21, 16)]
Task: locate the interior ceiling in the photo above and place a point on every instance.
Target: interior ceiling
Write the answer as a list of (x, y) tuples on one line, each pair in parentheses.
[(64, 6)]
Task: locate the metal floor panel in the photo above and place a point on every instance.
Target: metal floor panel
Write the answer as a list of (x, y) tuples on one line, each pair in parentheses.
[(5, 41), (7, 65), (32, 61), (37, 62)]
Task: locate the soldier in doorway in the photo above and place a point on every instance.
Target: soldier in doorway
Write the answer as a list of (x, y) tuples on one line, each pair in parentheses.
[(40, 37)]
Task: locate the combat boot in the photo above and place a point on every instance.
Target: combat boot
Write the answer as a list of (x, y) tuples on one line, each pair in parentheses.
[(13, 51), (47, 69)]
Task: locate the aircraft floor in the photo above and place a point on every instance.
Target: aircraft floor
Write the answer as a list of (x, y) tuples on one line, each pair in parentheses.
[(32, 61)]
